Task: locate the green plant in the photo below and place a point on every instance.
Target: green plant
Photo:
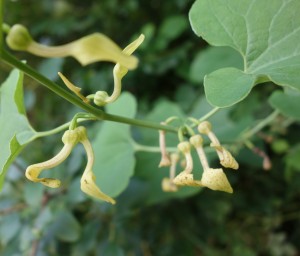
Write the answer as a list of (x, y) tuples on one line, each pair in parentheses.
[(265, 43)]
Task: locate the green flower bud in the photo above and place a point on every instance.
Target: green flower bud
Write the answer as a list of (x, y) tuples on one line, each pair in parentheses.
[(100, 98), (19, 38)]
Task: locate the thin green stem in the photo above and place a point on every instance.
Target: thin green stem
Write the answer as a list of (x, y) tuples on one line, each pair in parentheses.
[(266, 121), (209, 114), (1, 26), (143, 148), (99, 114), (203, 118), (60, 128)]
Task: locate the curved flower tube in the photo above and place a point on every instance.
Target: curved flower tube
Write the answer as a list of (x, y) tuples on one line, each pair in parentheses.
[(87, 182), (70, 139), (165, 158), (89, 49), (226, 159), (185, 148), (119, 72), (168, 184)]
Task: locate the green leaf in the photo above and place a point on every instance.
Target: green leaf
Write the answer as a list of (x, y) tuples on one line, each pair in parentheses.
[(114, 153), (266, 39), (15, 131), (287, 104), (211, 59), (227, 86)]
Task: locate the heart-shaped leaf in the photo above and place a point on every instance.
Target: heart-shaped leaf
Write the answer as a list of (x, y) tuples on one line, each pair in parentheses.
[(15, 130), (265, 33)]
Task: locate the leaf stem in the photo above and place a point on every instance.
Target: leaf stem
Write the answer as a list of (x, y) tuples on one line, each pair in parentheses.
[(99, 114), (209, 114)]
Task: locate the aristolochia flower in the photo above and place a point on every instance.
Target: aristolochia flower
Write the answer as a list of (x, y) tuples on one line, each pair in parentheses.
[(70, 139), (216, 179), (185, 148), (89, 49), (168, 184), (101, 98), (186, 179), (226, 159), (87, 182)]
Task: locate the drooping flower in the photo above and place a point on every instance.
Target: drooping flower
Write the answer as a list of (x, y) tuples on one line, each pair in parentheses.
[(89, 49), (168, 184), (87, 181), (101, 98), (185, 149), (226, 159), (70, 139), (216, 179)]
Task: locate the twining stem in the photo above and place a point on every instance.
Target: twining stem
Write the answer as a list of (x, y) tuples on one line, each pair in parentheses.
[(99, 114)]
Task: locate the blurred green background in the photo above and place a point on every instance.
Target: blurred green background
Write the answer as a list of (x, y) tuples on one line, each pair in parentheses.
[(260, 218)]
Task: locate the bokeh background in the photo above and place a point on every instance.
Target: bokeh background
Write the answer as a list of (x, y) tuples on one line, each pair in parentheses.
[(260, 218)]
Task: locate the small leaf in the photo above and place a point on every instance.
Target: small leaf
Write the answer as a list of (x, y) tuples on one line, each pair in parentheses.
[(267, 40), (225, 87), (15, 131), (114, 153), (213, 58), (287, 104)]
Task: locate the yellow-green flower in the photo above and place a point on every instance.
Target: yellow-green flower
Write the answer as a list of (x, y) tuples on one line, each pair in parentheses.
[(70, 139), (87, 181), (89, 49)]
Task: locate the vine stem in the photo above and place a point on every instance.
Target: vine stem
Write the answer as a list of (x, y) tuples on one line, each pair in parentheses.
[(99, 114)]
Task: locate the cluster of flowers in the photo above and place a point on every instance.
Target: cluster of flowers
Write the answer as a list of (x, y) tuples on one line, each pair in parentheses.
[(214, 179), (87, 182)]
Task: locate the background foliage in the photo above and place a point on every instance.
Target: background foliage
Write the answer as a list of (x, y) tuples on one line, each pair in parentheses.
[(260, 218)]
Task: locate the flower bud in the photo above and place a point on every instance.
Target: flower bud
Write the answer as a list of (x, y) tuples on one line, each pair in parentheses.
[(100, 98), (18, 38)]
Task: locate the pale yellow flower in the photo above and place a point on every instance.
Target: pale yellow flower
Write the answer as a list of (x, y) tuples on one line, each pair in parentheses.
[(216, 179), (226, 159), (101, 98), (89, 49), (186, 179), (87, 181), (70, 139)]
